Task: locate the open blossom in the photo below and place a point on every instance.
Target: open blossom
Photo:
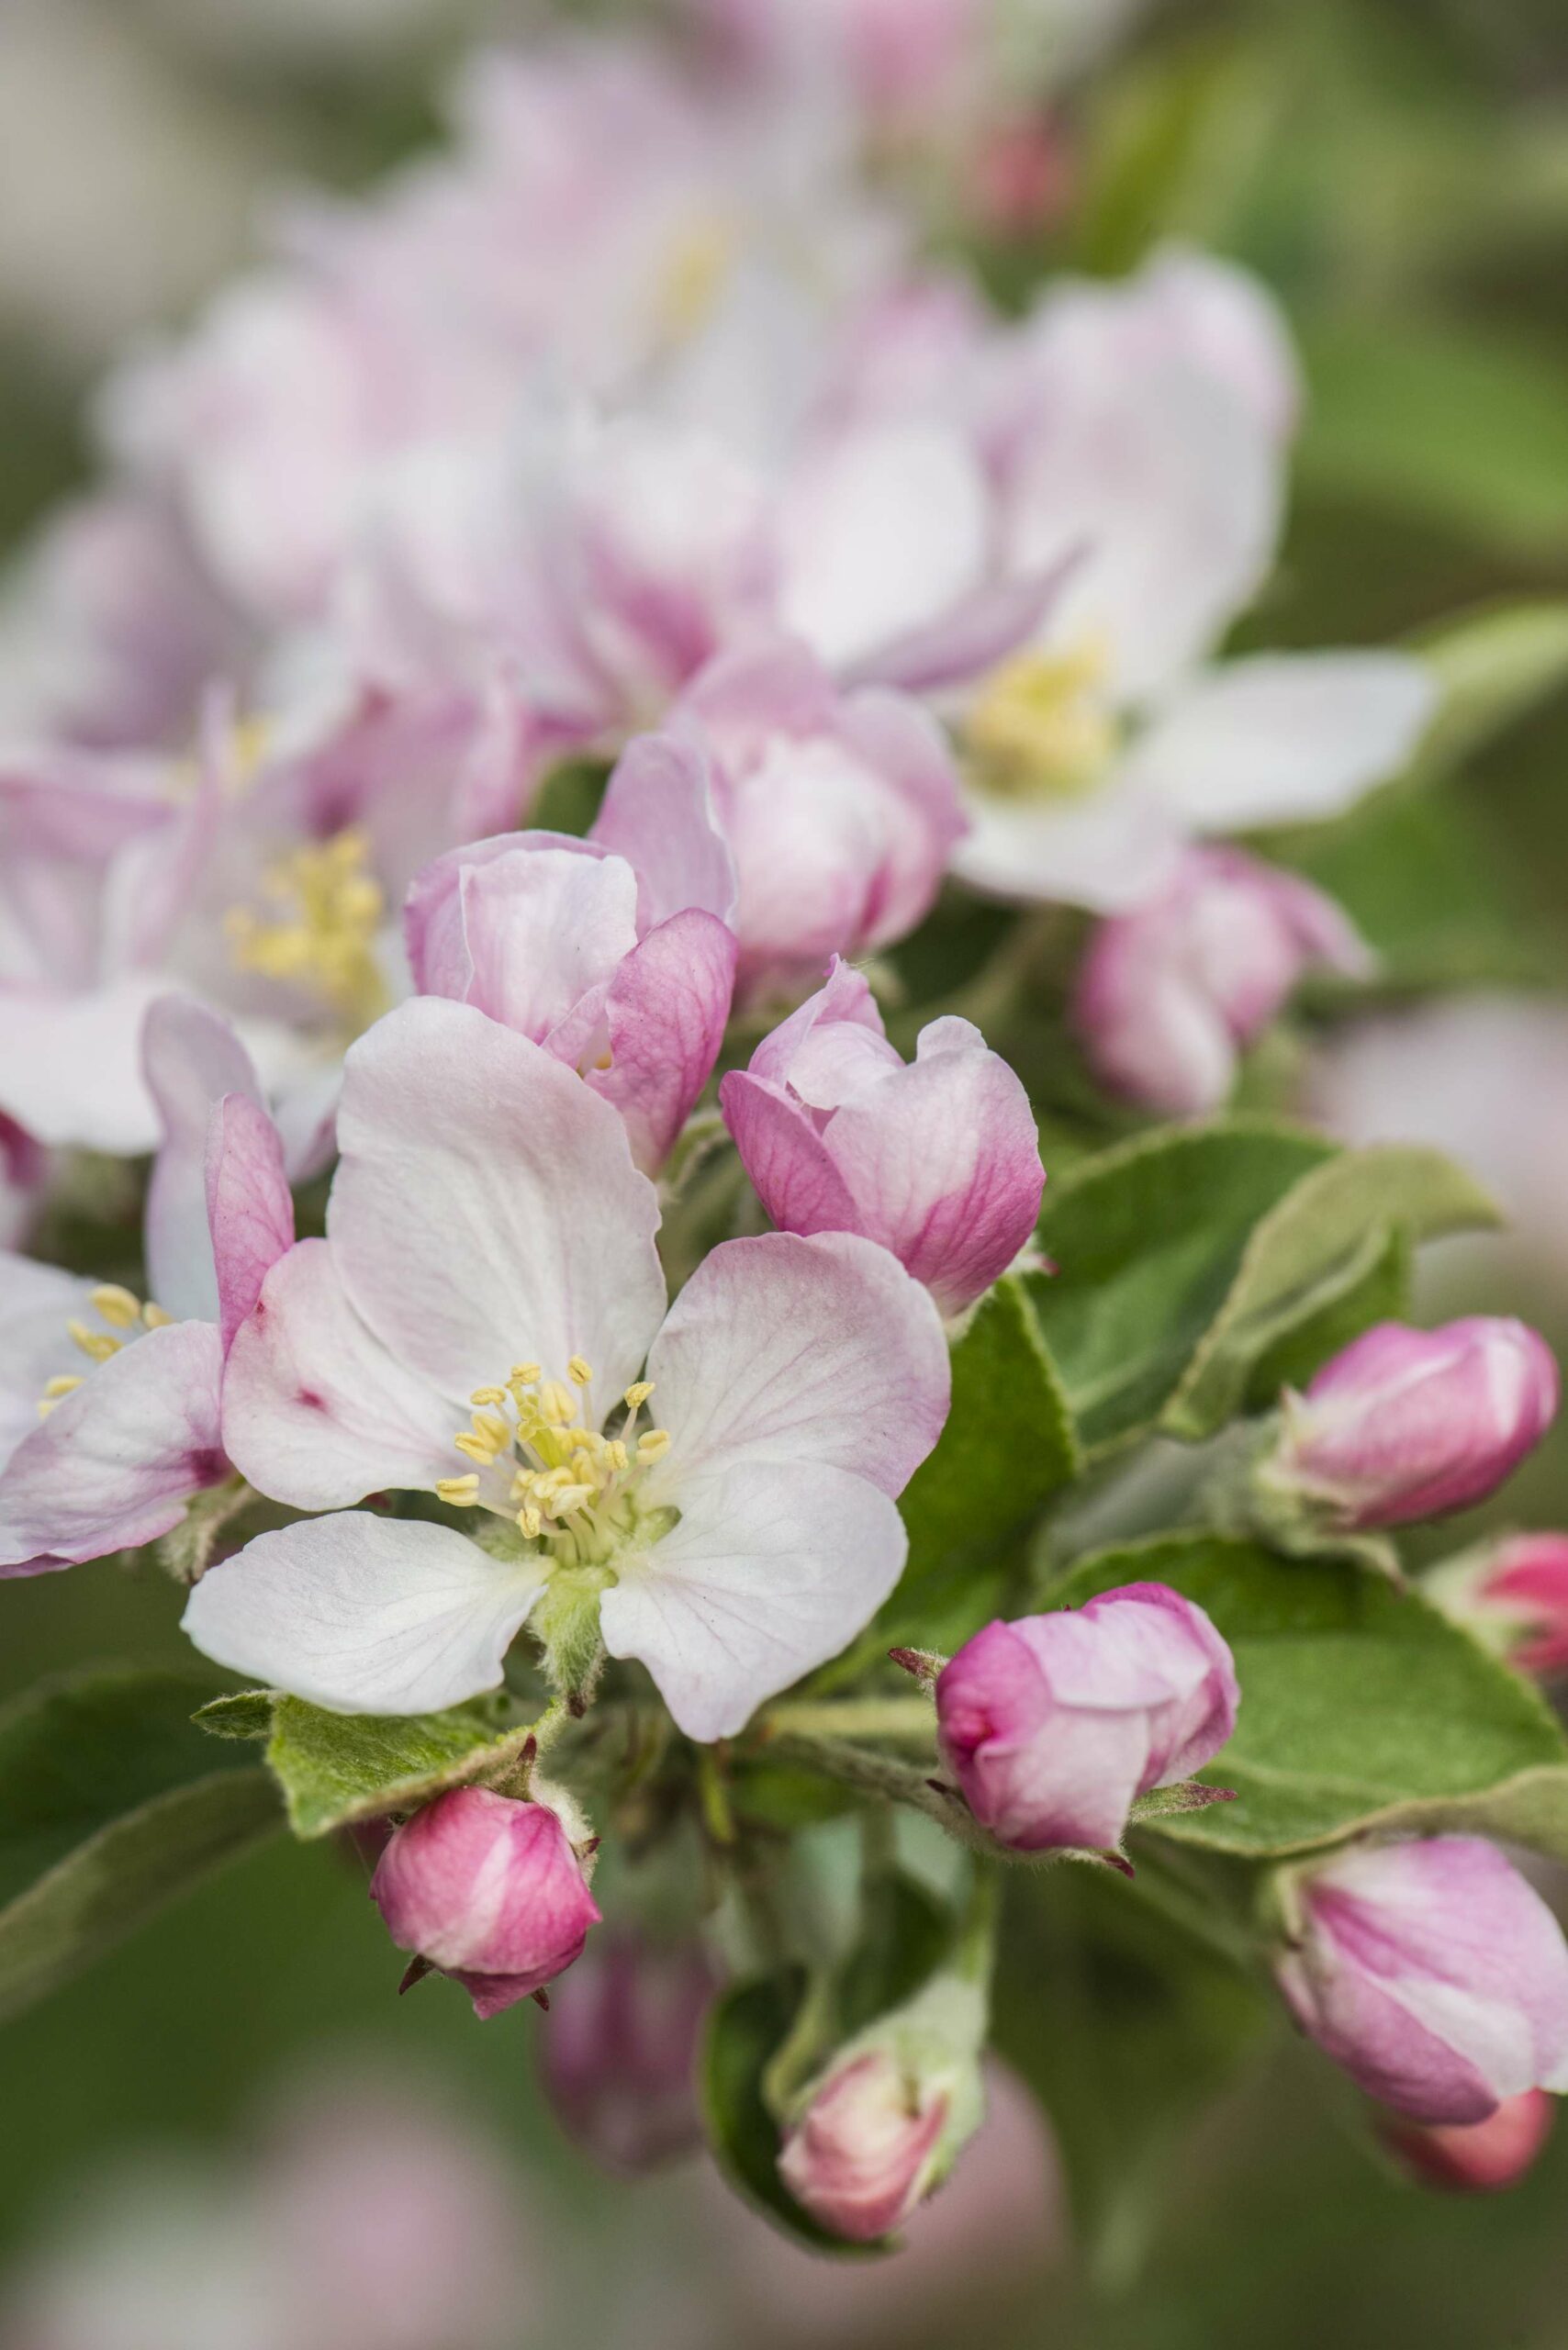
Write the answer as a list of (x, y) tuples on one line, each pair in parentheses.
[(1432, 1973), (939, 1160), (257, 876), (1173, 990), (618, 2059), (476, 1324), (1512, 1595), (489, 1891), (1405, 1424), (1054, 1725), (1136, 440), (620, 965), (109, 1407)]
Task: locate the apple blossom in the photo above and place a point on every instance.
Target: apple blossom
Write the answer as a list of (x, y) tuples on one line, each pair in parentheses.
[(1054, 1725), (489, 1891), (1406, 1424), (1172, 989), (1512, 1595), (621, 969), (939, 1161), (489, 1288), (1433, 1972)]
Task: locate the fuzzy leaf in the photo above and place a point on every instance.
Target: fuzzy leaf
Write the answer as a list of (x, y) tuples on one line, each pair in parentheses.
[(1148, 1238), (334, 1768), (247, 1714), (1361, 1707), (1319, 1247)]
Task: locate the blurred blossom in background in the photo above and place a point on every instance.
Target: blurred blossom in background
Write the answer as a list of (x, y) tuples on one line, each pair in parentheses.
[(236, 2136)]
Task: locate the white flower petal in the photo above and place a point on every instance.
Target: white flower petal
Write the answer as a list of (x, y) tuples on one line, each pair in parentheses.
[(1282, 738), (785, 1348), (773, 1568), (363, 1614), (486, 1209), (190, 1058), (1107, 851)]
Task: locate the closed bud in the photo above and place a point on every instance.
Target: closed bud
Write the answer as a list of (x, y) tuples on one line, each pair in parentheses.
[(880, 2126), (1409, 1424), (1054, 1725), (1174, 989), (1474, 2157), (1432, 1973), (486, 1890), (617, 2054), (1512, 1595)]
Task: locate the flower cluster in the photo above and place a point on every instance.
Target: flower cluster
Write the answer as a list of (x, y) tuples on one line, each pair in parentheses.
[(509, 767)]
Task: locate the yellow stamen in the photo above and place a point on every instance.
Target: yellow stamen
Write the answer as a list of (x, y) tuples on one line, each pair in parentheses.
[(155, 1317), (638, 1395), (116, 1304), (95, 1344), (525, 1375), (64, 1383), (654, 1445), (323, 937), (488, 1395), (459, 1493), (477, 1447), (557, 1403), (579, 1372), (1040, 728)]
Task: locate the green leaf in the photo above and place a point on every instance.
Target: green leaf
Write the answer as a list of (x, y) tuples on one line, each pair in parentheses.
[(1009, 1443), (1493, 668), (1125, 2025), (111, 1804), (746, 2029), (1361, 1706), (1464, 428), (247, 1714), (334, 1768), (1327, 1243), (1148, 1239)]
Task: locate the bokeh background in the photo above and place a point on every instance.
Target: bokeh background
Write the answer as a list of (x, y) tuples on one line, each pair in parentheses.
[(236, 2104)]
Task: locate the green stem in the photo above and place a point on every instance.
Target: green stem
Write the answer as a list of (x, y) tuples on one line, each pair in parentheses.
[(910, 1719)]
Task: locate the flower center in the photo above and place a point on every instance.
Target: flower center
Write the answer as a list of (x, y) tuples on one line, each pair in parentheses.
[(692, 278), (539, 1459), (320, 934), (124, 1312), (1040, 728)]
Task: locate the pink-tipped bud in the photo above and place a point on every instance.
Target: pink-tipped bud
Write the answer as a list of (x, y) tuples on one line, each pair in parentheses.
[(939, 1160), (1512, 1595), (1474, 2157), (488, 1891), (1409, 1424), (617, 2057), (1432, 1973), (1054, 1725), (1173, 991), (867, 2148)]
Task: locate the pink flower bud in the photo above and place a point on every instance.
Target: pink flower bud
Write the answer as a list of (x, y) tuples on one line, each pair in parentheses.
[(939, 1160), (487, 1890), (1474, 2157), (1172, 991), (1409, 1424), (867, 2148), (1433, 1974), (1054, 1725), (1513, 1596), (617, 2056)]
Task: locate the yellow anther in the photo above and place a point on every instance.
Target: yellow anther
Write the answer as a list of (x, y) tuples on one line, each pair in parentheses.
[(116, 1304), (496, 1431), (557, 1403), (1038, 729), (579, 1372), (64, 1383), (529, 1522), (328, 911), (620, 1460), (459, 1493), (155, 1317), (477, 1447), (488, 1395), (638, 1395), (568, 1498), (653, 1444), (95, 1344), (524, 1375), (696, 267)]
